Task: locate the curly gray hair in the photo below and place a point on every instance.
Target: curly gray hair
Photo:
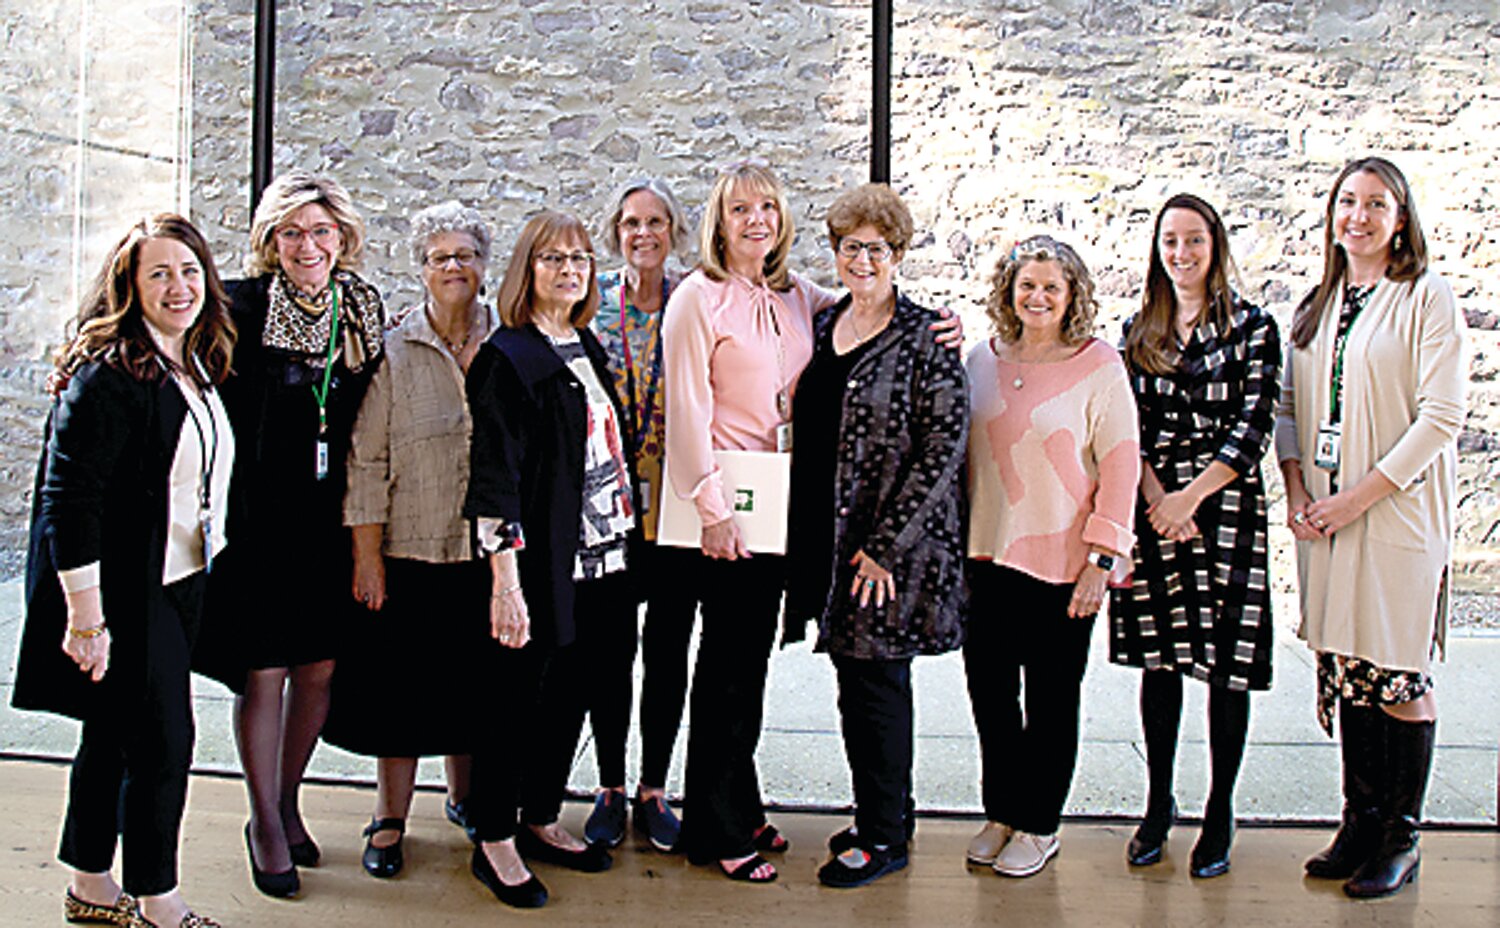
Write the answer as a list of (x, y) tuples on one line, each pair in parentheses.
[(451, 216)]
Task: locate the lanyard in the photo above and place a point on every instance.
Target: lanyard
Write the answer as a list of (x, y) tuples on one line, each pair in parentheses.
[(783, 396), (639, 424), (208, 457), (333, 341), (1356, 301)]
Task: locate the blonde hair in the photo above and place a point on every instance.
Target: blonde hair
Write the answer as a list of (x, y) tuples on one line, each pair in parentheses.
[(514, 302), (754, 177), (290, 192), (1078, 320)]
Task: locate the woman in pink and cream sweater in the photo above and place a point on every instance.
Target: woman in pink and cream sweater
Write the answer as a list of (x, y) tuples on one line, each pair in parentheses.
[(1054, 462)]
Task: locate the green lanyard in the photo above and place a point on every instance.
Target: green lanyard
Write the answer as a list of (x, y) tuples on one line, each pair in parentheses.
[(333, 341)]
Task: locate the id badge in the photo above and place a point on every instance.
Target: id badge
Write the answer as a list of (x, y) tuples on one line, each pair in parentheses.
[(645, 496), (321, 467), (1326, 446), (206, 526), (784, 437)]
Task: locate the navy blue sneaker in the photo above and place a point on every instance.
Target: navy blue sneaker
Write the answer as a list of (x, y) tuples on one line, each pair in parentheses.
[(606, 824), (655, 819)]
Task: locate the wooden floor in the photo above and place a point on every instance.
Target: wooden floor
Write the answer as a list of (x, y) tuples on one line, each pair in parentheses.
[(1088, 885)]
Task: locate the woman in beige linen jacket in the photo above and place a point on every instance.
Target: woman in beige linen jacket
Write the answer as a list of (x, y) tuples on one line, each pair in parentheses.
[(1371, 472), (409, 679)]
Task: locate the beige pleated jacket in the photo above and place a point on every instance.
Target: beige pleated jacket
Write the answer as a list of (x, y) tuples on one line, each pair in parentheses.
[(1378, 588)]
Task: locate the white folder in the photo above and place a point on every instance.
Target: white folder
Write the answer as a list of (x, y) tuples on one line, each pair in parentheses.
[(757, 485)]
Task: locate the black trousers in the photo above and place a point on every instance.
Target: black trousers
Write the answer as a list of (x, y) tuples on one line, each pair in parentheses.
[(529, 730), (1019, 629), (605, 668), (143, 745), (671, 612), (875, 707), (721, 803)]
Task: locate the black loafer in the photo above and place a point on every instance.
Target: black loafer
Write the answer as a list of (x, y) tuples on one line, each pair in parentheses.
[(592, 859), (282, 885), (383, 862), (528, 895)]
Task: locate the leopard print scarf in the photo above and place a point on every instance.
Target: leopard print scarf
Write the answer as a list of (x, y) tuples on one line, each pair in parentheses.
[(300, 324)]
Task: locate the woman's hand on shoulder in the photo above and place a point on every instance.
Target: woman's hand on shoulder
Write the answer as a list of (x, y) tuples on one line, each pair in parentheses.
[(723, 541), (949, 329)]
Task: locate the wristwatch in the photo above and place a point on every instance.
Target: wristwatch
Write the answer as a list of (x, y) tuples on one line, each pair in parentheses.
[(1105, 562)]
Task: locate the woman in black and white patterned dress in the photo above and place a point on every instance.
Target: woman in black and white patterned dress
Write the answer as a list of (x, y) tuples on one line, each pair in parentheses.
[(1205, 368)]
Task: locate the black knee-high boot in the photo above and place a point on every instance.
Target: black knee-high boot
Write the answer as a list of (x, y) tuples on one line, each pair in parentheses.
[(1161, 717), (1408, 764), (1362, 736)]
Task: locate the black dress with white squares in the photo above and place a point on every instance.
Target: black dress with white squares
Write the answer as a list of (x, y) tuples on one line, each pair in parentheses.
[(1203, 607)]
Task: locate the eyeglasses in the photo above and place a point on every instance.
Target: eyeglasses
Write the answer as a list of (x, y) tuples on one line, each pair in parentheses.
[(653, 224), (438, 261), (878, 251), (554, 260), (322, 234)]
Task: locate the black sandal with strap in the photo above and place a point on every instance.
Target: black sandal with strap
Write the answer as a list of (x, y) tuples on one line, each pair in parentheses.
[(383, 862)]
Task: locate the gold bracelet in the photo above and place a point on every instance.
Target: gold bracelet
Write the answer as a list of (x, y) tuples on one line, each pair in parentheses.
[(87, 633)]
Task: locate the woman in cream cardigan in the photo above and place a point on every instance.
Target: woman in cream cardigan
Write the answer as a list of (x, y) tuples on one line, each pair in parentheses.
[(1366, 433)]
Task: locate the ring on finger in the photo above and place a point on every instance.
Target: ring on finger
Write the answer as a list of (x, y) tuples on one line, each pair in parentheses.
[(1299, 518)]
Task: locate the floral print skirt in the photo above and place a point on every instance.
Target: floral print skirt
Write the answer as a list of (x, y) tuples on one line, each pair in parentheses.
[(1363, 683)]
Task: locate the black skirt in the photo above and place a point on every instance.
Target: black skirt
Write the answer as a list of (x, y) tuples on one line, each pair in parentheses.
[(409, 678)]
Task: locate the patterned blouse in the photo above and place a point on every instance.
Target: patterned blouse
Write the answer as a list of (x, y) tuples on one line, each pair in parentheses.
[(638, 380)]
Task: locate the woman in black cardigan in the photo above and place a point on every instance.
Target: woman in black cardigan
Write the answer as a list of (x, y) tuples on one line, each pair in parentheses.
[(311, 336), (551, 490), (126, 518), (876, 549)]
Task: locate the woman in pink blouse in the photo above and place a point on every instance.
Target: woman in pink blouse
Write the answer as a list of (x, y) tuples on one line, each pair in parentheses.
[(1054, 461), (737, 333)]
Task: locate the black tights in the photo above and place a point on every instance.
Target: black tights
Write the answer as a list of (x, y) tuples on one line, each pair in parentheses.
[(276, 737), (1228, 727)]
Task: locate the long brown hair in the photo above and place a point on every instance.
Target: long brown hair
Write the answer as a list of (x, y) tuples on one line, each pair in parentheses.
[(1151, 344), (111, 325), (514, 303), (1408, 247)]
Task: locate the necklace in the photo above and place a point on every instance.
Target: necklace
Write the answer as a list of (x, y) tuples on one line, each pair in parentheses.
[(854, 324), (458, 349)]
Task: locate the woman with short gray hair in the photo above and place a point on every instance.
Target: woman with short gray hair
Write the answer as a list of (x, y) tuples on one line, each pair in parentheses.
[(402, 688)]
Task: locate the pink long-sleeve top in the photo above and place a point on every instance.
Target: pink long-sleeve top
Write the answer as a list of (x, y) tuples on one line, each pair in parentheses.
[(1054, 463), (728, 347)]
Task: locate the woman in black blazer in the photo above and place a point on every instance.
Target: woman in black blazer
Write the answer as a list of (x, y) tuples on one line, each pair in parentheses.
[(126, 519), (551, 490)]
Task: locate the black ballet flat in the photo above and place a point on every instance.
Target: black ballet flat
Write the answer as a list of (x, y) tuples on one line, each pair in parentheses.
[(383, 862), (281, 885), (528, 895), (594, 858)]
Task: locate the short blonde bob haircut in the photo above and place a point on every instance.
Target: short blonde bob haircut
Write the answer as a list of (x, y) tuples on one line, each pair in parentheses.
[(610, 233), (876, 205), (288, 193), (1078, 320), (745, 178), (545, 230)]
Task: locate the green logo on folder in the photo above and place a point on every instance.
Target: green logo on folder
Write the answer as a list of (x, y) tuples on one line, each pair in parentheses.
[(744, 499)]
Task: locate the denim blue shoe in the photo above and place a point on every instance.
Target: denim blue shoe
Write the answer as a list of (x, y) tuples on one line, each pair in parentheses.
[(606, 824)]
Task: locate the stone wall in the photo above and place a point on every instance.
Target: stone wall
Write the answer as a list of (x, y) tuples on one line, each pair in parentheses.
[(95, 138), (1011, 116), (1079, 117)]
